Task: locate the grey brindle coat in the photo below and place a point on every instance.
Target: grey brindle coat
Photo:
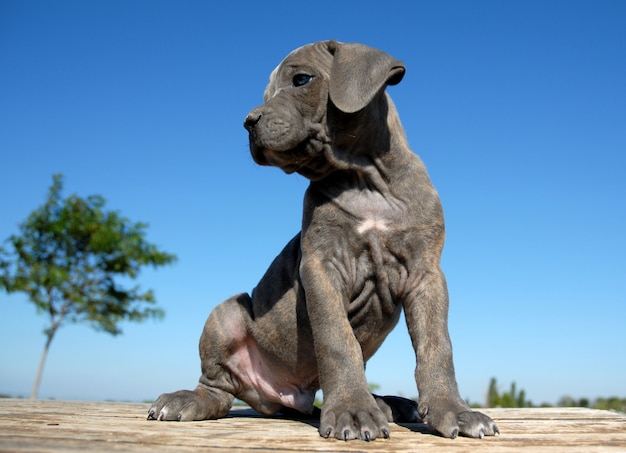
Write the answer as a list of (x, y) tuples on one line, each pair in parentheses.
[(370, 245)]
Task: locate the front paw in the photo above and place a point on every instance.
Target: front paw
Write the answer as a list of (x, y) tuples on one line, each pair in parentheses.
[(450, 420), (350, 419), (183, 405)]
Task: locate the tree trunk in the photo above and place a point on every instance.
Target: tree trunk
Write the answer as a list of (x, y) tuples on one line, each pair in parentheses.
[(42, 362)]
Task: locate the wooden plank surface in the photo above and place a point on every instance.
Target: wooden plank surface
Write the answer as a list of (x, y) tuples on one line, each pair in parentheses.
[(66, 426)]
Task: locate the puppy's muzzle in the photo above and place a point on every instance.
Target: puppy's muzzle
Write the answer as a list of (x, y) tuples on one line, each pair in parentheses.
[(257, 151)]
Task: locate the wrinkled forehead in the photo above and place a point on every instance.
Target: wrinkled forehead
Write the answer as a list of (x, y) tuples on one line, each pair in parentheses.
[(305, 57)]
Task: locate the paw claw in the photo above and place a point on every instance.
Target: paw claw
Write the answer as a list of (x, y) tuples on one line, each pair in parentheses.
[(385, 433), (351, 421)]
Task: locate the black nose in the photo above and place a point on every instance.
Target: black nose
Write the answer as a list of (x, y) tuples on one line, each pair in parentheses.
[(251, 120)]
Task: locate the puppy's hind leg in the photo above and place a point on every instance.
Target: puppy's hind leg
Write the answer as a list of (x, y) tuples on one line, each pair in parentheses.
[(214, 395), (398, 409)]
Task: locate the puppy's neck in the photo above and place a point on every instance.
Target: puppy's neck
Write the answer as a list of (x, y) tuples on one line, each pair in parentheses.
[(370, 142), (363, 133)]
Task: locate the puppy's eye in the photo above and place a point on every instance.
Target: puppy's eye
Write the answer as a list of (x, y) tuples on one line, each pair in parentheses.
[(301, 79)]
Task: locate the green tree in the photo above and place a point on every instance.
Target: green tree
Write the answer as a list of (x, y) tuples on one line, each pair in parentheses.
[(493, 396), (567, 401), (512, 398), (66, 259), (613, 403)]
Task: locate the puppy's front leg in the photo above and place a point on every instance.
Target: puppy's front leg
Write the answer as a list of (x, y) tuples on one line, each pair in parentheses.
[(349, 410), (440, 403)]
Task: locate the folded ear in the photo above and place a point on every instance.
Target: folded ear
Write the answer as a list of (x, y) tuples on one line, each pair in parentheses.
[(358, 73)]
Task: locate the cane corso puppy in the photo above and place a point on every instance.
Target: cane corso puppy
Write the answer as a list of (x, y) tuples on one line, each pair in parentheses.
[(370, 245)]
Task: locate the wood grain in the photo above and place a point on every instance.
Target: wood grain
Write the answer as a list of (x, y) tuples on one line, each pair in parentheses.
[(62, 426)]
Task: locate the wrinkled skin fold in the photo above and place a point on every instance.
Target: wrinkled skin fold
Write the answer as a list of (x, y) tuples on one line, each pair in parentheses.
[(370, 246)]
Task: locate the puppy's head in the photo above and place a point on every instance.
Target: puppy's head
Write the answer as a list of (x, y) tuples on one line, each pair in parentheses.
[(290, 130)]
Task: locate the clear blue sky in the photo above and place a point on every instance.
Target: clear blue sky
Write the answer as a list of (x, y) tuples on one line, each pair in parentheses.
[(517, 108)]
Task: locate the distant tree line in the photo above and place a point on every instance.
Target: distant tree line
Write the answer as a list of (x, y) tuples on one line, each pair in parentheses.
[(613, 403), (517, 398), (512, 398)]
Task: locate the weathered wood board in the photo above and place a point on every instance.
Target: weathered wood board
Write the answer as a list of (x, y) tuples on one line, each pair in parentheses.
[(66, 426)]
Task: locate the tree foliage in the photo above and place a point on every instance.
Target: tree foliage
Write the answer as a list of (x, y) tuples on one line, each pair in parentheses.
[(512, 398), (67, 257), (613, 403)]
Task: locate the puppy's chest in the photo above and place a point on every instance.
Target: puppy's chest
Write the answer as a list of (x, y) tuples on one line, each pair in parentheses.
[(379, 248), (377, 236), (378, 225), (372, 246), (374, 217)]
